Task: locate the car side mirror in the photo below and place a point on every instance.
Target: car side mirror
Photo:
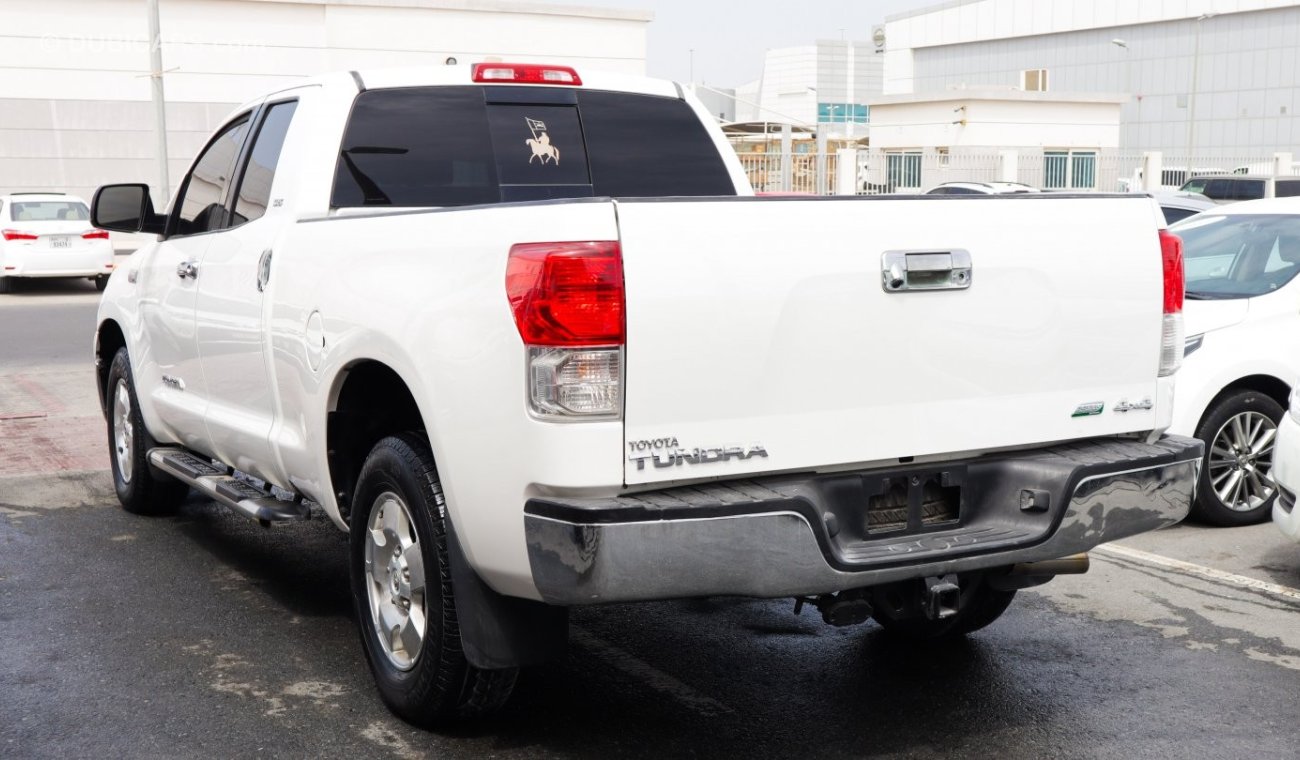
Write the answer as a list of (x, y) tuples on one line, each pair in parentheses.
[(125, 208)]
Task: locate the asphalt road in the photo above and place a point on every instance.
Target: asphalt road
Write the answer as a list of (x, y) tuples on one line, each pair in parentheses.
[(204, 635), (47, 322)]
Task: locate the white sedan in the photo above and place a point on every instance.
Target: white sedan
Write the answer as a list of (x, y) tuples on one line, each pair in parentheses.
[(1286, 469), (1242, 354), (49, 235)]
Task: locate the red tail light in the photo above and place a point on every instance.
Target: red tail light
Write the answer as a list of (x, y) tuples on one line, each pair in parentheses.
[(95, 235), (17, 235), (1171, 252), (525, 73), (567, 294)]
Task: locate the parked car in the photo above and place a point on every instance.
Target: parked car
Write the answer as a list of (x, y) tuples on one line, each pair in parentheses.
[(49, 235), (1242, 351), (1177, 205), (529, 338), (1286, 471), (1229, 188), (980, 188)]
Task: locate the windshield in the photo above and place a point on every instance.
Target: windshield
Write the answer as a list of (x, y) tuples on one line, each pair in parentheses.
[(1239, 256), (50, 211)]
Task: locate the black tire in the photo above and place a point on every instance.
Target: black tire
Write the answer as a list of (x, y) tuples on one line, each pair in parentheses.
[(141, 490), (437, 685), (101, 282), (980, 606), (6, 284), (1209, 506)]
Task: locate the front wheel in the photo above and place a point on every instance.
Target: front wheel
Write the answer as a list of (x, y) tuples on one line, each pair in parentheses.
[(1236, 485), (402, 591), (139, 488)]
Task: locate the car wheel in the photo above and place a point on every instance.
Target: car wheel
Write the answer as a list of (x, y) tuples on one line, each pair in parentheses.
[(6, 284), (402, 591), (140, 489), (1235, 486), (101, 282), (900, 613)]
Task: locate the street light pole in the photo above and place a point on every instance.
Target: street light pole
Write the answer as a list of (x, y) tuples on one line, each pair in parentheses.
[(1191, 100), (1128, 77), (159, 101)]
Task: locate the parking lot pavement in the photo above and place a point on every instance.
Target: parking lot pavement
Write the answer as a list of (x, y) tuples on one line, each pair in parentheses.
[(203, 634)]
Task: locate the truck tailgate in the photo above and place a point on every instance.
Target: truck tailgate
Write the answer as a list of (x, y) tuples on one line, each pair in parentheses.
[(761, 336)]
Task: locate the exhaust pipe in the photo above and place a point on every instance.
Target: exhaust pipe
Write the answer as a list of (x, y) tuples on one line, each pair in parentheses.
[(1027, 574), (1075, 564)]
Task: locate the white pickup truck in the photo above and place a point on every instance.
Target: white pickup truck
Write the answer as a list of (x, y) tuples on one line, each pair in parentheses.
[(526, 333)]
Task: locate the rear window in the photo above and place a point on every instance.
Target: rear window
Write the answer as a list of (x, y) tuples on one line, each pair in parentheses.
[(1289, 188), (1174, 214), (455, 146), (49, 211)]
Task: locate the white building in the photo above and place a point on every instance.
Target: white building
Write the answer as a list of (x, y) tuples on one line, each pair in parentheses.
[(1207, 78), (829, 83), (75, 106)]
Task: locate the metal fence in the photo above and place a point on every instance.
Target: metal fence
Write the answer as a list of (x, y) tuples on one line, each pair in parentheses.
[(914, 171)]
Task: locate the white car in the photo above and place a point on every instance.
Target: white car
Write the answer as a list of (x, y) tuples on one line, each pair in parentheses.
[(1286, 471), (49, 235), (981, 188), (1242, 355)]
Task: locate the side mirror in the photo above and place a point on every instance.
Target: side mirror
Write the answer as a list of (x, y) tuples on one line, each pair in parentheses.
[(125, 208)]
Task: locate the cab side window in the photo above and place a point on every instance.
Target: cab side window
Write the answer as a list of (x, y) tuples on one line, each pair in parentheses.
[(255, 182), (201, 205)]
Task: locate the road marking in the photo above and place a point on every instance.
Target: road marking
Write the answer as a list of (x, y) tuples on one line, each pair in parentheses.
[(1222, 576), (648, 674)]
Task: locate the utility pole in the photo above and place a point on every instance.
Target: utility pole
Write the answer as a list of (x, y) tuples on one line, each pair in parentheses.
[(692, 65), (159, 101), (1191, 101)]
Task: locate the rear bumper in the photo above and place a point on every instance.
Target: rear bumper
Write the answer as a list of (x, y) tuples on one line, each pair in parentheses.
[(1286, 471), (808, 534)]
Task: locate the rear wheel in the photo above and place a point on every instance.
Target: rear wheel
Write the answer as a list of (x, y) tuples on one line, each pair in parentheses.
[(139, 488), (1236, 485), (101, 282), (6, 284), (402, 592), (899, 610)]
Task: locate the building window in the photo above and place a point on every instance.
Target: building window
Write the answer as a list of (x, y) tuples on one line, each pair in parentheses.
[(903, 171), (1069, 170), (1033, 80), (944, 157)]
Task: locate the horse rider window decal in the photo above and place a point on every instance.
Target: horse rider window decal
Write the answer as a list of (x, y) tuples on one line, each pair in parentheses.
[(540, 142)]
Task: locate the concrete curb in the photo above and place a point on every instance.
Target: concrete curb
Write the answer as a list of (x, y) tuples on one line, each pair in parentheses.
[(56, 490)]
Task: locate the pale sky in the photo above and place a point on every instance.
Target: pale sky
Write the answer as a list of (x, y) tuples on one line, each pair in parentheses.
[(729, 38)]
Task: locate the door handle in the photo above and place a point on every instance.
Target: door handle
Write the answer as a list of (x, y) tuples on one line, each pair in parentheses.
[(902, 271), (263, 270), (187, 269)]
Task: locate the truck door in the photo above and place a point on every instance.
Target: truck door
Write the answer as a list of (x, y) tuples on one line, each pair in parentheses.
[(228, 310), (169, 286)]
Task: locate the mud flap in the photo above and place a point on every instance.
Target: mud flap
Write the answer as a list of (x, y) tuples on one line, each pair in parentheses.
[(499, 631)]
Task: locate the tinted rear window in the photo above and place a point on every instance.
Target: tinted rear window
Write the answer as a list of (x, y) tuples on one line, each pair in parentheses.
[(48, 211), (1173, 214), (447, 146), (644, 146), (1287, 188)]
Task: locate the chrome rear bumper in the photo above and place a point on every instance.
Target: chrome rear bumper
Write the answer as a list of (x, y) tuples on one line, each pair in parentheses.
[(795, 535)]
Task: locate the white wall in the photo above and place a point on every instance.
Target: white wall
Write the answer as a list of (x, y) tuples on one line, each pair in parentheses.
[(74, 90), (994, 124)]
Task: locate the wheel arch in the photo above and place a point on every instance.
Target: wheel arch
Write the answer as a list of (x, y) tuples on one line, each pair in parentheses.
[(1269, 385), (109, 339), (368, 401)]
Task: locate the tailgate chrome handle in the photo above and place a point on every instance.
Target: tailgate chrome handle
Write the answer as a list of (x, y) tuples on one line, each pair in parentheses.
[(187, 269), (925, 270)]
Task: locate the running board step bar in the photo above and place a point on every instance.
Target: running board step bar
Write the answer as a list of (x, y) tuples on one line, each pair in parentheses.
[(222, 486)]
